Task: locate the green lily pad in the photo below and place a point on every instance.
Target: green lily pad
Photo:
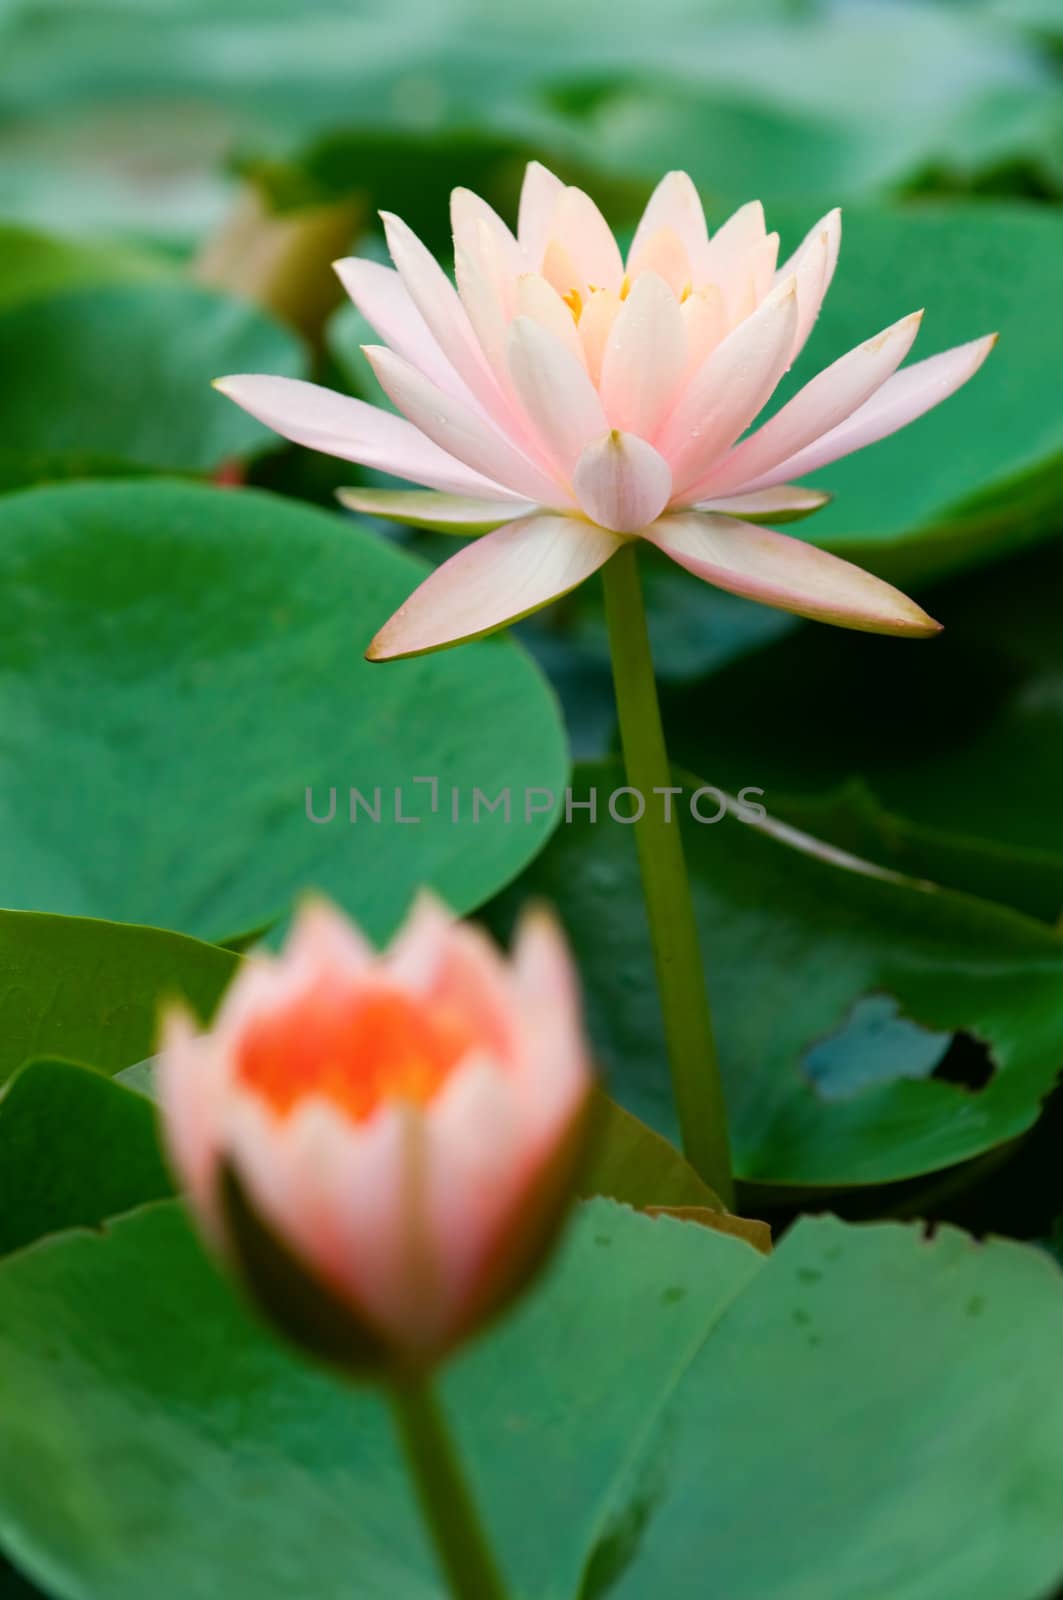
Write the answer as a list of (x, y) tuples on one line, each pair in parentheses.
[(906, 1386), (1031, 880), (184, 691), (39, 264), (90, 991), (795, 936), (75, 1149), (121, 373), (944, 761)]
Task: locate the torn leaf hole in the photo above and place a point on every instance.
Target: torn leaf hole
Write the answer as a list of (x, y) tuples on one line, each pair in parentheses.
[(878, 1044), (966, 1063)]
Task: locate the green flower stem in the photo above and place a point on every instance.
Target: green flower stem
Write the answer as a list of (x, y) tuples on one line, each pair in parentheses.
[(695, 1067), (443, 1494)]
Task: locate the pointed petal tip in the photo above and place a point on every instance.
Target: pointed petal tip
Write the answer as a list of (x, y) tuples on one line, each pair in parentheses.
[(378, 650)]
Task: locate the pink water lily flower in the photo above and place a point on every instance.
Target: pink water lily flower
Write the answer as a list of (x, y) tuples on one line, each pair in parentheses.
[(569, 399), (383, 1144)]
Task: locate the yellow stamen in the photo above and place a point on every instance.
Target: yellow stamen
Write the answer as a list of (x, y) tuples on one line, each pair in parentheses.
[(574, 300)]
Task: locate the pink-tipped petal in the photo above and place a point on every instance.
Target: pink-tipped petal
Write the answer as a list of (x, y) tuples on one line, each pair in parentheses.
[(621, 482), (385, 303), (539, 195), (338, 1195), (588, 239), (548, 988), (323, 940), (787, 573), (459, 430), (488, 292), (729, 388), (674, 206), (812, 264), (470, 217), (419, 950), (479, 1161), (730, 251), (440, 305), (502, 577), (558, 396), (340, 426), (442, 513), (828, 399), (190, 1080), (901, 399), (645, 358), (787, 503)]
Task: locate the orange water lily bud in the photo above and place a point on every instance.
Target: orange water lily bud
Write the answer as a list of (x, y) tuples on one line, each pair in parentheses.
[(383, 1144)]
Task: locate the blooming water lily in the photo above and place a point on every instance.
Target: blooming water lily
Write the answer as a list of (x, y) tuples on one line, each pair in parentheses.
[(571, 400)]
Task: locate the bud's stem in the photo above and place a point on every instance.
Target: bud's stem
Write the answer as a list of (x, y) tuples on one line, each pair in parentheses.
[(695, 1067), (443, 1494)]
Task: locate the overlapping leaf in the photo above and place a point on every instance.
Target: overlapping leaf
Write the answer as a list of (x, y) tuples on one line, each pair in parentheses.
[(889, 1400), (799, 944)]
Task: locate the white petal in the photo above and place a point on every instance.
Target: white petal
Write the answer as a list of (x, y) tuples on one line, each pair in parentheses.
[(830, 397), (812, 264), (502, 577), (470, 216), (731, 250), (440, 305), (645, 358), (674, 204), (901, 399), (729, 388), (538, 197), (443, 513), (340, 426), (621, 482), (583, 231), (458, 430), (488, 292), (385, 303), (540, 300), (788, 573), (555, 391)]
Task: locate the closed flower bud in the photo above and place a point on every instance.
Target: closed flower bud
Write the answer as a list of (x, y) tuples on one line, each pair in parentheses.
[(383, 1145)]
